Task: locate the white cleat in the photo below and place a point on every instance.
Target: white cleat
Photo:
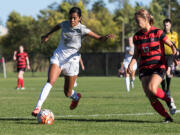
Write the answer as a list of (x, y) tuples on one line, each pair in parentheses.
[(22, 88), (172, 107)]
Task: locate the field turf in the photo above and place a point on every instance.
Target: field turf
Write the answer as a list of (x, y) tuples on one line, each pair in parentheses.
[(105, 109)]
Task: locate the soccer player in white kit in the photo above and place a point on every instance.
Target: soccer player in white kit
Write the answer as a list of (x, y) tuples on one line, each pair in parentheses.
[(66, 57), (129, 52)]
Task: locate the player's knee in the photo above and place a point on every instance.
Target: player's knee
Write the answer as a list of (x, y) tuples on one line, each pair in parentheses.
[(152, 88)]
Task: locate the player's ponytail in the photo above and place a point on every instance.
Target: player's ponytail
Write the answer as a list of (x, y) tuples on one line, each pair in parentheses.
[(151, 20)]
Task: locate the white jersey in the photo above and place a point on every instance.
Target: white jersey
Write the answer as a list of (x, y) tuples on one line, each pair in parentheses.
[(128, 57), (128, 49), (66, 55), (71, 38)]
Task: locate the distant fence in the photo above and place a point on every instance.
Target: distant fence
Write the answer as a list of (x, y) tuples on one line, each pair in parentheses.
[(96, 64), (101, 64)]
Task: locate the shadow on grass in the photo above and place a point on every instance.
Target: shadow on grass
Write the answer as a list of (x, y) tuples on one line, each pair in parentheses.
[(34, 121)]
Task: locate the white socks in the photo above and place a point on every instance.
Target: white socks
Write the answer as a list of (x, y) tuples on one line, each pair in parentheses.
[(127, 81), (74, 96), (44, 93)]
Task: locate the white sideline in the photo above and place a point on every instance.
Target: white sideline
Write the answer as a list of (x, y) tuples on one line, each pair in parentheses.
[(93, 115)]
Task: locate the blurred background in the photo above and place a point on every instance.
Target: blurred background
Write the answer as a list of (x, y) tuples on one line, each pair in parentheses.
[(24, 22)]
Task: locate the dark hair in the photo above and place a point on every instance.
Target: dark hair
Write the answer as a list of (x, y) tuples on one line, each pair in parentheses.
[(167, 20), (75, 10), (145, 14)]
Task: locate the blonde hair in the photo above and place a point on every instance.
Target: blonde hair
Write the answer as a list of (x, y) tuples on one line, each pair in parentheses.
[(145, 14)]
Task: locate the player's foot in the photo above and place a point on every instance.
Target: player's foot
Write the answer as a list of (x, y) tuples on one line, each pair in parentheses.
[(22, 88), (172, 106), (168, 120), (17, 88), (35, 111), (74, 103)]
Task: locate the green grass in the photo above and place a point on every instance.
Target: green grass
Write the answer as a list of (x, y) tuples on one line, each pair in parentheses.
[(100, 96)]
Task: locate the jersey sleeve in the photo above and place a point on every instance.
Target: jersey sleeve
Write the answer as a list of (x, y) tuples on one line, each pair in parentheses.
[(176, 40), (85, 30), (61, 24), (162, 36)]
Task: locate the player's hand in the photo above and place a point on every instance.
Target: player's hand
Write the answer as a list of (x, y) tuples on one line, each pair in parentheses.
[(83, 68), (15, 52), (28, 67), (104, 38), (174, 50), (130, 68), (44, 38)]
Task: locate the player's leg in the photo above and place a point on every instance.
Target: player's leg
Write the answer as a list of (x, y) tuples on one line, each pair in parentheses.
[(69, 92), (156, 104), (133, 78), (53, 74), (153, 85), (19, 80), (21, 76), (127, 79)]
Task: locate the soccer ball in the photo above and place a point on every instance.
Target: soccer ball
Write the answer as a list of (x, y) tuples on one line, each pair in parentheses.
[(45, 116)]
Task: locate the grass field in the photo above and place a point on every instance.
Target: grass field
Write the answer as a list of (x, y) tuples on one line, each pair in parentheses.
[(105, 109)]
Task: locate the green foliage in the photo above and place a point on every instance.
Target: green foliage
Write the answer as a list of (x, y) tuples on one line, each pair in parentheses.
[(27, 31), (158, 18)]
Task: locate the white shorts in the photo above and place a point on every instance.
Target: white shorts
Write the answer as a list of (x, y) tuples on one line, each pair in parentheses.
[(69, 67), (126, 64)]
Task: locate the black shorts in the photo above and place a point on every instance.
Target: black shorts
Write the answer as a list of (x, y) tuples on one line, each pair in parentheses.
[(149, 72), (169, 60), (21, 69)]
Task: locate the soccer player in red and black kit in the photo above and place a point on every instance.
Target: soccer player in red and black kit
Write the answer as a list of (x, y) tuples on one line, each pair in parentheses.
[(149, 47), (22, 59)]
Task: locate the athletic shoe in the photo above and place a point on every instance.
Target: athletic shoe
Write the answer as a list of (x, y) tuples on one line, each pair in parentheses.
[(22, 88), (17, 88), (168, 120), (35, 111), (74, 103), (172, 106)]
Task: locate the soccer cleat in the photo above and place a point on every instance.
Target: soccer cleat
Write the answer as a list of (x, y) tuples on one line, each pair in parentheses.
[(168, 120), (22, 88), (74, 103), (35, 111), (172, 106), (17, 88)]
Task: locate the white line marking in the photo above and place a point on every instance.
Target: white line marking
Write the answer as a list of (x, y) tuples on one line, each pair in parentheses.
[(93, 115)]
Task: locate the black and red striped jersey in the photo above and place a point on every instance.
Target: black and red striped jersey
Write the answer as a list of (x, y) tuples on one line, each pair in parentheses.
[(150, 46), (21, 59)]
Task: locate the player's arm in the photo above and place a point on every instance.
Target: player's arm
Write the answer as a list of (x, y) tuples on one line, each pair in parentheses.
[(101, 38), (82, 64), (133, 60), (130, 52), (28, 64), (176, 41), (14, 56), (170, 44), (45, 38)]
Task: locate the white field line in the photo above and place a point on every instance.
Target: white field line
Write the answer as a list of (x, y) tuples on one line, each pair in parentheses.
[(93, 115)]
